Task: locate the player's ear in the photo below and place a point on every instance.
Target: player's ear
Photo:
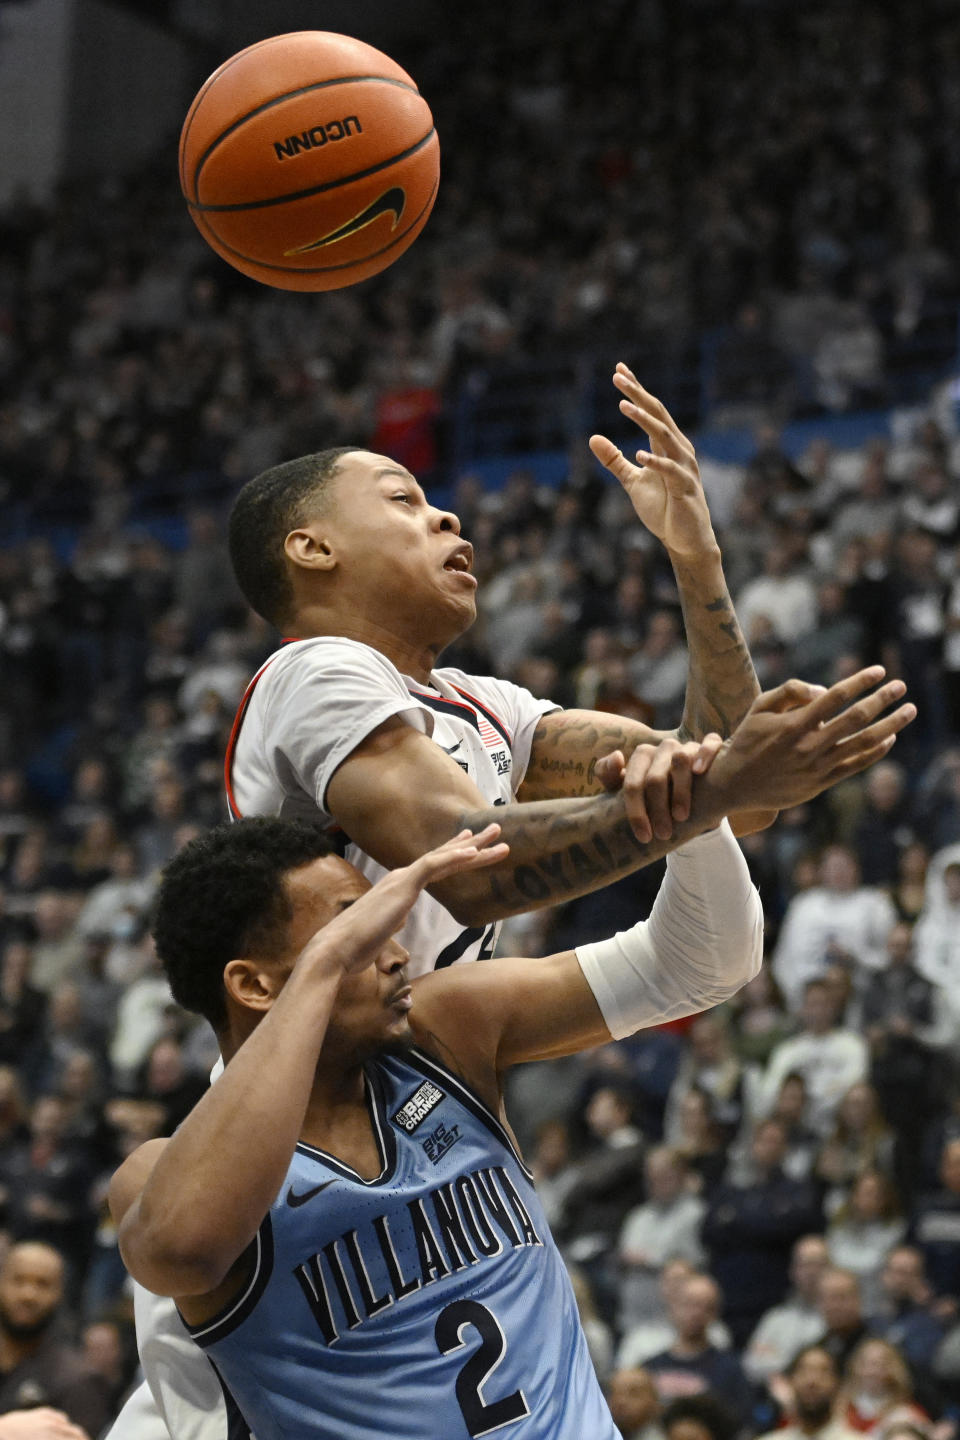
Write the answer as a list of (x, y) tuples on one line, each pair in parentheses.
[(310, 548), (251, 984)]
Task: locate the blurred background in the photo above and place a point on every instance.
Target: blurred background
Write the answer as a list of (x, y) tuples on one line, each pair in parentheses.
[(755, 205)]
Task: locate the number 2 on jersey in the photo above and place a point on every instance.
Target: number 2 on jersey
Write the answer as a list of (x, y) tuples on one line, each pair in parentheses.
[(479, 1415)]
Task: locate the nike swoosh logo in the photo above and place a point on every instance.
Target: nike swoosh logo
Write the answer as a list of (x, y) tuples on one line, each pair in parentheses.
[(453, 748), (293, 1200), (390, 202)]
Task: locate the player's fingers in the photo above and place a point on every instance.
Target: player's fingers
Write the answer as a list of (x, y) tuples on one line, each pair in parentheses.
[(657, 788), (634, 791), (861, 759), (628, 384), (659, 431), (613, 458), (791, 695), (609, 770), (844, 693), (880, 730), (710, 747), (681, 782), (675, 473), (861, 714)]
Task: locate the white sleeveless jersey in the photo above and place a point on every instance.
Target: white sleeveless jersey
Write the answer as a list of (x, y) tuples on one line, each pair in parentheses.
[(307, 708), (314, 701)]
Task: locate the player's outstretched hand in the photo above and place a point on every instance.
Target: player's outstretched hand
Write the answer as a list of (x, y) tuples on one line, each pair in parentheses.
[(358, 934), (800, 739), (658, 783), (664, 485), (41, 1424)]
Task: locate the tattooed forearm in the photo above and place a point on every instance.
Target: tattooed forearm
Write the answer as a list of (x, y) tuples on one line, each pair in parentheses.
[(566, 747), (722, 683), (564, 848)]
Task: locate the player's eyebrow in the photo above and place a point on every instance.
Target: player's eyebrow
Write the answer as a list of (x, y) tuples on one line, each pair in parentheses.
[(394, 470)]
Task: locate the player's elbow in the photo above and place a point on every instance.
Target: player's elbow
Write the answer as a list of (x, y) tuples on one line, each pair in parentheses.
[(741, 956), (167, 1268)]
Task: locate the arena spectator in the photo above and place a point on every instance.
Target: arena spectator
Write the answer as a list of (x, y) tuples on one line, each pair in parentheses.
[(864, 1230), (658, 1330), (840, 920), (666, 1226), (785, 1328), (634, 1404), (829, 1058), (877, 1392), (903, 1312), (935, 1225), (698, 1417), (710, 1065), (814, 1386), (750, 1228), (861, 1140), (692, 1365), (37, 1367), (842, 1314)]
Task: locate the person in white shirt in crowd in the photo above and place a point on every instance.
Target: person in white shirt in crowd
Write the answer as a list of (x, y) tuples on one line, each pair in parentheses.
[(864, 1231), (787, 1327), (937, 933), (657, 1331), (837, 921), (829, 1058), (665, 1226), (782, 595)]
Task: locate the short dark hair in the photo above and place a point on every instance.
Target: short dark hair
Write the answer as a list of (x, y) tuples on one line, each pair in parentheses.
[(265, 511), (222, 896), (814, 1348), (704, 1410)]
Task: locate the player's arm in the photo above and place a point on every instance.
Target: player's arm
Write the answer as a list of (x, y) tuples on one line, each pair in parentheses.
[(398, 795), (188, 1208), (704, 936), (665, 489)]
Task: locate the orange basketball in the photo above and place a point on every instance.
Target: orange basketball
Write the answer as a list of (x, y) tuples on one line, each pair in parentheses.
[(309, 161)]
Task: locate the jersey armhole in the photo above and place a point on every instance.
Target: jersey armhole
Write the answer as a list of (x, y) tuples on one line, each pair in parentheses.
[(240, 1306)]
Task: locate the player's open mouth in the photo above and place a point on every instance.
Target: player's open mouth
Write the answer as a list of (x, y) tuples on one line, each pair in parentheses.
[(458, 562)]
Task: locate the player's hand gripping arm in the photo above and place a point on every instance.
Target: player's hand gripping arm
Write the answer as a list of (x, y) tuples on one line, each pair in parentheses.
[(703, 940), (188, 1207), (398, 795)]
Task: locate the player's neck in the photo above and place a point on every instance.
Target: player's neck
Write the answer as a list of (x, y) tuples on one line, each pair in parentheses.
[(338, 1121), (410, 655)]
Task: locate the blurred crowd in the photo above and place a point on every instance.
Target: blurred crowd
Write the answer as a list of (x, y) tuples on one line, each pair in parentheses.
[(761, 1209)]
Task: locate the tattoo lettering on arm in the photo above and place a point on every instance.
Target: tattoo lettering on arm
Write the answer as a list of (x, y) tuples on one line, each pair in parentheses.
[(566, 747), (557, 859)]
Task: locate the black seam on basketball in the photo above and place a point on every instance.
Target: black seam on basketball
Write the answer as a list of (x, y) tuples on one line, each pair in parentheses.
[(321, 269), (220, 70), (277, 100), (317, 189)]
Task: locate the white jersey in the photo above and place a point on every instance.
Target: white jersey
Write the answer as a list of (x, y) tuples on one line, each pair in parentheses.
[(307, 708), (314, 701)]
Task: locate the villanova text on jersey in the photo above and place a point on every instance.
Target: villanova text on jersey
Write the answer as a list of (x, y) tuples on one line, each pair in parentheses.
[(429, 1303)]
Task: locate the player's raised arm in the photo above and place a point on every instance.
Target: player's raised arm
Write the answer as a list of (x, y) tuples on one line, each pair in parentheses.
[(188, 1208), (666, 492)]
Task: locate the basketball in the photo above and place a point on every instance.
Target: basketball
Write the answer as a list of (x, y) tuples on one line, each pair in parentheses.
[(309, 161)]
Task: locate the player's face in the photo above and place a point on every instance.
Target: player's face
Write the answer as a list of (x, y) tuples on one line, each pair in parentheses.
[(372, 1006), (402, 559)]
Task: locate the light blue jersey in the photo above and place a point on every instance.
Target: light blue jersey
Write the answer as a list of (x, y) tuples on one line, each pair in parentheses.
[(428, 1304)]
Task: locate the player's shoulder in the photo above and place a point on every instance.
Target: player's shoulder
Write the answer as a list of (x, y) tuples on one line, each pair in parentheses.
[(323, 658)]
